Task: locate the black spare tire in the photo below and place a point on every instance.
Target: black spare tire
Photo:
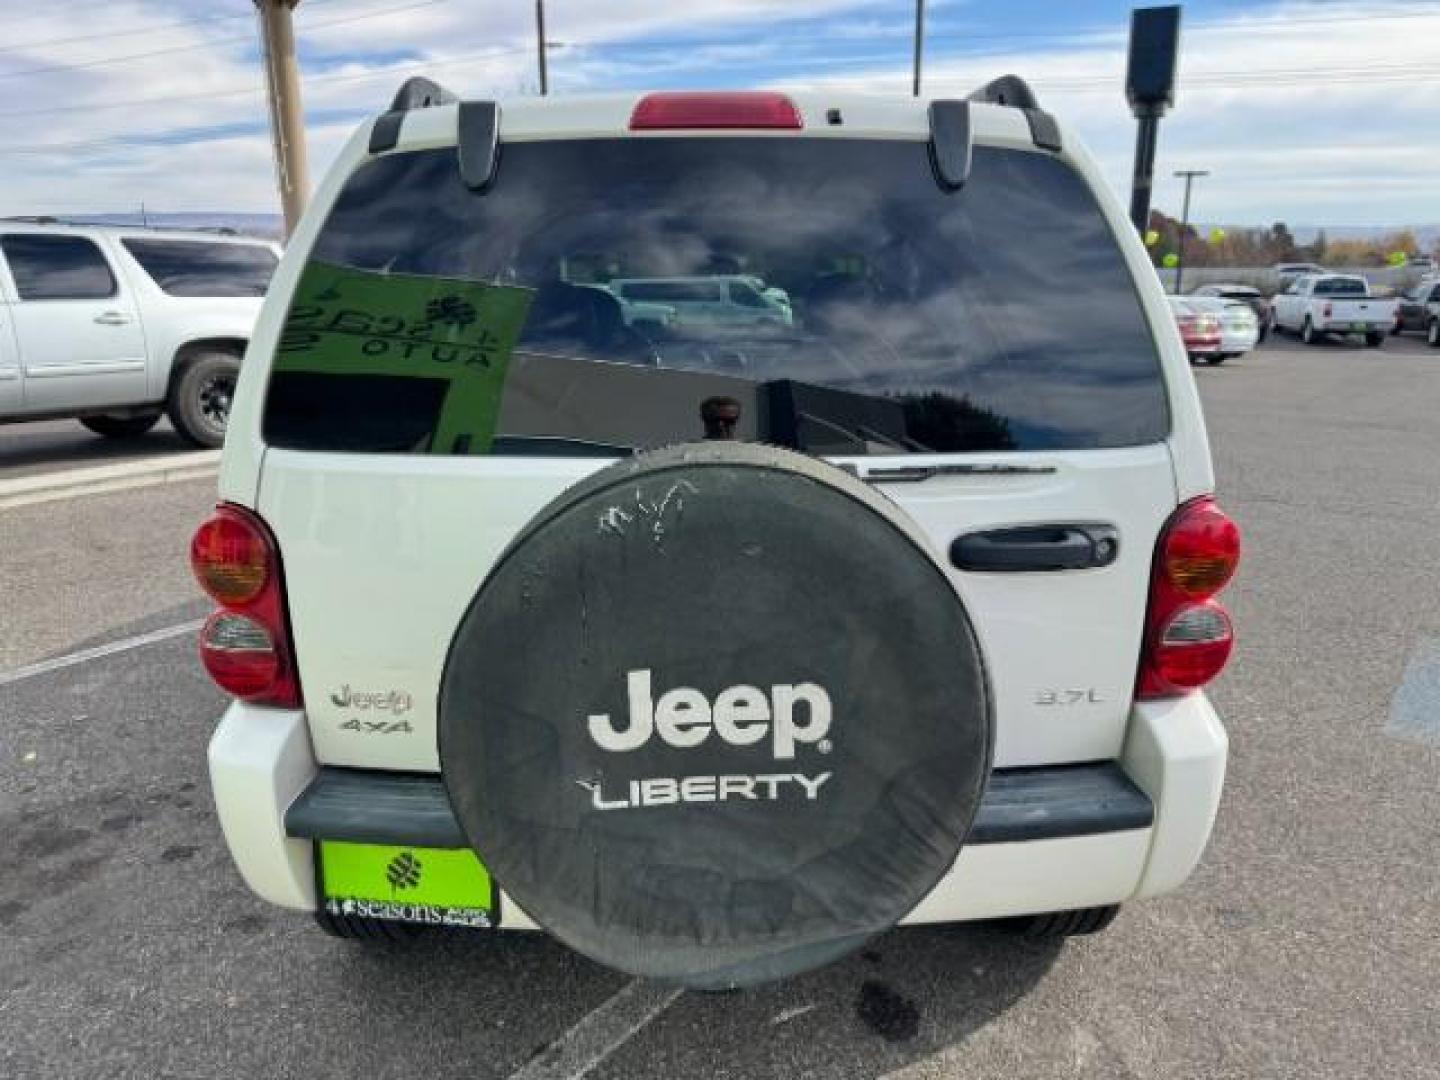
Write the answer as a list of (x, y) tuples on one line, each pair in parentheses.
[(716, 716)]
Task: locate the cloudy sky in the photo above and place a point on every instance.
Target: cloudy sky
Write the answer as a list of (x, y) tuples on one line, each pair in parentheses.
[(1312, 111)]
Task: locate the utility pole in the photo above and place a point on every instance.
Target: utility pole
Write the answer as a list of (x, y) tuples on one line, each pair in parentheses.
[(919, 43), (1189, 175), (540, 46), (287, 120)]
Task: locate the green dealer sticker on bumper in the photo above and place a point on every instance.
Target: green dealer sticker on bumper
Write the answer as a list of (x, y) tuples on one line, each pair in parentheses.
[(438, 886)]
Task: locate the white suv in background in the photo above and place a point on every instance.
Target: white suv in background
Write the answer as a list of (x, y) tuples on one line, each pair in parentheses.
[(715, 653), (117, 326)]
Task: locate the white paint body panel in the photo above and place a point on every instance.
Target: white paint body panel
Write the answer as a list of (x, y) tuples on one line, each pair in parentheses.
[(260, 760)]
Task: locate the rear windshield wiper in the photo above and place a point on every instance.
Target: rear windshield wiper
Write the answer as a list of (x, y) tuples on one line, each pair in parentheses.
[(911, 474)]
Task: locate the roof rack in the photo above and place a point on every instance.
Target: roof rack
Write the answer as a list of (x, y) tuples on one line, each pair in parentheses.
[(1014, 92), (477, 138)]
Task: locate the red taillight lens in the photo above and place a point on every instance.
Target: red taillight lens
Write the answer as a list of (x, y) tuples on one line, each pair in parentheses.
[(1199, 549), (230, 557), (245, 646), (1188, 636), (715, 109)]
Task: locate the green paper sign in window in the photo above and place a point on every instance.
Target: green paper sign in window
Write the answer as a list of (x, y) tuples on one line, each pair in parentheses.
[(363, 323)]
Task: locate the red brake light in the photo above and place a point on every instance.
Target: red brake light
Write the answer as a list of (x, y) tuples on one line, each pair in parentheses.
[(230, 558), (1188, 636), (715, 109), (1199, 549), (245, 646)]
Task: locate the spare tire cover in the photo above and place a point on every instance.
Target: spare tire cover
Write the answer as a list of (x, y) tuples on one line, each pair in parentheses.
[(716, 716)]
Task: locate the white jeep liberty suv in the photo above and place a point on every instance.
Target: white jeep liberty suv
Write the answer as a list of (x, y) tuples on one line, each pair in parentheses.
[(715, 648)]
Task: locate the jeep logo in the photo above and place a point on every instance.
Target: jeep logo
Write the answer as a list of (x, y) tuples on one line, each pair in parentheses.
[(740, 715)]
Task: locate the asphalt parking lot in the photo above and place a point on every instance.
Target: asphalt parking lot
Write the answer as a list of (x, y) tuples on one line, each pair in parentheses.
[(1306, 944), (49, 446)]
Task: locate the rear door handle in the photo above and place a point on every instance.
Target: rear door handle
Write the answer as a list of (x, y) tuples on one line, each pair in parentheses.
[(112, 318), (1030, 548)]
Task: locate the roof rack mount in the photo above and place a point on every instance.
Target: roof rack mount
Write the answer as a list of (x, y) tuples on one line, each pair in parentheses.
[(1014, 92), (478, 132)]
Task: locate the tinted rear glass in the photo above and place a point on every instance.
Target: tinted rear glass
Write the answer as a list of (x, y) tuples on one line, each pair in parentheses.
[(197, 268), (57, 267), (1341, 287), (885, 314)]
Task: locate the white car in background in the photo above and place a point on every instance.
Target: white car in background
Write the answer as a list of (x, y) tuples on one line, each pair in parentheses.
[(1239, 326), (117, 326), (1245, 294), (710, 299)]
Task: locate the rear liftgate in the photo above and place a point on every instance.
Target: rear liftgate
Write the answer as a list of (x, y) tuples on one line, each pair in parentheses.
[(717, 716)]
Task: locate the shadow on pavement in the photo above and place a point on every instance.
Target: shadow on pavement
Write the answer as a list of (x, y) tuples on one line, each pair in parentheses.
[(31, 449)]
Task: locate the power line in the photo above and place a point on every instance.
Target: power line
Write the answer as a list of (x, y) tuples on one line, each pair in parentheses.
[(209, 95), (1106, 84), (1080, 35), (148, 29), (1281, 78), (247, 39), (158, 138)]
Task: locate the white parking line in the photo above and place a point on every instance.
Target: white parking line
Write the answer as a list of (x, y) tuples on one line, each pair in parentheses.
[(44, 667), (600, 1033)]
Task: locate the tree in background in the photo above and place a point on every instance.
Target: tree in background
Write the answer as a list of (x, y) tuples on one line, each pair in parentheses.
[(1266, 247)]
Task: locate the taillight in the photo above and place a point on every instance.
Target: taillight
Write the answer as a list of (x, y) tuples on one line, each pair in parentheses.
[(1188, 635), (715, 109), (1327, 311), (245, 646)]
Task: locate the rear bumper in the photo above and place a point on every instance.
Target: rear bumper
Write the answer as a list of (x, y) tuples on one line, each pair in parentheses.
[(1046, 839)]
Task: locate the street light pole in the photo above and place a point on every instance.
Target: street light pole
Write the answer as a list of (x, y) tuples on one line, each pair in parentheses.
[(1189, 176), (919, 43), (540, 46), (287, 119)]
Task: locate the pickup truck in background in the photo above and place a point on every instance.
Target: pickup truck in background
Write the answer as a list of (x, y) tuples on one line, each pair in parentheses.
[(116, 327), (1318, 305)]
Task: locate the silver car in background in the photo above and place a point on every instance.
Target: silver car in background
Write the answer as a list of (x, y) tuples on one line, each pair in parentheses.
[(1239, 326)]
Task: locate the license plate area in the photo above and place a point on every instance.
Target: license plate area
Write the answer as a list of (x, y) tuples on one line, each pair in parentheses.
[(429, 886)]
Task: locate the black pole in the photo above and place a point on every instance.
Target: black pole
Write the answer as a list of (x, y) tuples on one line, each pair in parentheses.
[(919, 43), (540, 45), (1150, 89), (1144, 177)]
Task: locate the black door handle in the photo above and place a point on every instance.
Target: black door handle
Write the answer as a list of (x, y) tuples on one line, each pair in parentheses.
[(1037, 548)]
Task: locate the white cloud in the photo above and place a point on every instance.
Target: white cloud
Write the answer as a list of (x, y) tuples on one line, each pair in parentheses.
[(1337, 148), (1343, 150)]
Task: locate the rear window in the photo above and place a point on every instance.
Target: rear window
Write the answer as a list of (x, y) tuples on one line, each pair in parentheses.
[(200, 268), (880, 314), (1341, 287)]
